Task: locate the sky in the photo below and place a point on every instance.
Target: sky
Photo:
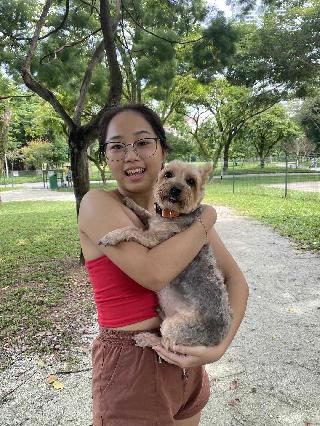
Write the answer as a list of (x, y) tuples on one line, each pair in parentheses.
[(221, 5)]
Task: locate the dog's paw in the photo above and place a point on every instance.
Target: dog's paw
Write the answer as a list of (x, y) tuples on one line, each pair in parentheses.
[(107, 240), (147, 339), (113, 238), (167, 343)]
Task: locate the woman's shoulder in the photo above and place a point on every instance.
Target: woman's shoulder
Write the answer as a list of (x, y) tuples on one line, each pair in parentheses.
[(98, 196)]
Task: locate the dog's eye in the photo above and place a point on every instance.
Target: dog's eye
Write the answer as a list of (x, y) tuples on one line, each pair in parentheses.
[(168, 175), (191, 182)]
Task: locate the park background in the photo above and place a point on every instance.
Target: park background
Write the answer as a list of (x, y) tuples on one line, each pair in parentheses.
[(240, 91)]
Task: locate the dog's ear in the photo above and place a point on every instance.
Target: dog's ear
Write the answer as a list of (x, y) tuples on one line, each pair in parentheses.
[(205, 172)]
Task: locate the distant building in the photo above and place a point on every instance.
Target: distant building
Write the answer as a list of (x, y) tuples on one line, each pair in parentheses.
[(251, 17)]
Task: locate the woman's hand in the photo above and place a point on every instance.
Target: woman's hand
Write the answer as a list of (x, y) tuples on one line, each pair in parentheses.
[(191, 356), (208, 216)]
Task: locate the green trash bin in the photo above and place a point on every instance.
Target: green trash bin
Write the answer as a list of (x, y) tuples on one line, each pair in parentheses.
[(53, 181)]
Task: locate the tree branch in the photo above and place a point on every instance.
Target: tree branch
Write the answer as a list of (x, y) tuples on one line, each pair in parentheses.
[(91, 5), (65, 46), (34, 85), (115, 90), (91, 130), (117, 14), (156, 35), (61, 25), (64, 19), (15, 96), (96, 58)]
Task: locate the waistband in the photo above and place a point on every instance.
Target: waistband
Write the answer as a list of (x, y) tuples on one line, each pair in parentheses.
[(121, 337)]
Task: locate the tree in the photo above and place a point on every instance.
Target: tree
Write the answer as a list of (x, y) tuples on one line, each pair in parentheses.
[(283, 52), (5, 116), (299, 147), (219, 112), (38, 152), (270, 129), (62, 41), (94, 156), (309, 118), (61, 57), (160, 55)]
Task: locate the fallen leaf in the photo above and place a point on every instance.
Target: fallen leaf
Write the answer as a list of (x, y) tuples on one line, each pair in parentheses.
[(52, 378), (40, 363), (234, 402), (291, 310), (234, 384), (58, 385)]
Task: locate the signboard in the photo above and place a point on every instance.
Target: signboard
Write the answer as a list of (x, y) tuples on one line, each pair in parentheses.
[(15, 173)]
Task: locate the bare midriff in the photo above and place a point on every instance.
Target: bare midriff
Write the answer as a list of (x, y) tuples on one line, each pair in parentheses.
[(145, 325)]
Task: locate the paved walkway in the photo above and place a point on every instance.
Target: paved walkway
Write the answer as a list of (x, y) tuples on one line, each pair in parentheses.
[(35, 192), (268, 377)]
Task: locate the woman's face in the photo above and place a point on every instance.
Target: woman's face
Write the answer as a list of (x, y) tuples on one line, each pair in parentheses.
[(133, 173)]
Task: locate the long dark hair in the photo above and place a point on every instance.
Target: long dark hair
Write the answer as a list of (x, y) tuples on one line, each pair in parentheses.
[(149, 115)]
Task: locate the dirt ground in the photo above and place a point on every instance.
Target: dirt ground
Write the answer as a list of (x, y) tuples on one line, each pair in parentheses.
[(269, 376)]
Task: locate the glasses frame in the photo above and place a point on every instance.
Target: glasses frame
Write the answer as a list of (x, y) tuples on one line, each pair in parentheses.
[(156, 139)]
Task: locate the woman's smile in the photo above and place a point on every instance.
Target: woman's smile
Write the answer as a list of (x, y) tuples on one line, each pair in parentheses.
[(135, 174)]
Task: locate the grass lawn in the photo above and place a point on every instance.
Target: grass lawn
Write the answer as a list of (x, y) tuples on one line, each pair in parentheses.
[(28, 178), (44, 295), (297, 216)]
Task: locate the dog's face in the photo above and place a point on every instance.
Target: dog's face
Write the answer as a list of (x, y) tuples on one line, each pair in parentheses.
[(180, 186)]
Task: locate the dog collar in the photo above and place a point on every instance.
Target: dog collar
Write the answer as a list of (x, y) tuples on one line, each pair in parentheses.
[(167, 213)]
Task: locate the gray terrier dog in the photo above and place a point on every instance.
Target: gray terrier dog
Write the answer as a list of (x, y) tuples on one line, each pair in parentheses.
[(194, 306)]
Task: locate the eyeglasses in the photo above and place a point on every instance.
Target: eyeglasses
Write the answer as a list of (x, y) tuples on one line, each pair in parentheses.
[(144, 148)]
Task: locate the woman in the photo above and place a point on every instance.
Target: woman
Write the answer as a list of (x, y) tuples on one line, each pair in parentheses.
[(131, 386)]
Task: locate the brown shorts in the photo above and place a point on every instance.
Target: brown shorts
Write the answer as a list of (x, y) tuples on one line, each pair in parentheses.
[(131, 388)]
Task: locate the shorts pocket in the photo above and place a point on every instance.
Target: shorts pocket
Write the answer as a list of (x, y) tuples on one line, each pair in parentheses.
[(109, 366)]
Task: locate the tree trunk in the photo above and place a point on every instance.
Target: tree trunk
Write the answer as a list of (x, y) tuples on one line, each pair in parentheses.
[(217, 155), (103, 176), (226, 154), (139, 92), (79, 165), (262, 161), (4, 129)]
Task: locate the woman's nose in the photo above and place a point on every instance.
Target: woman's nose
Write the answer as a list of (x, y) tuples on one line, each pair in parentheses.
[(130, 153)]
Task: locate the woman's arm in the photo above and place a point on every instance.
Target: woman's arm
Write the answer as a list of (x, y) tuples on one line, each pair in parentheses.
[(238, 292), (154, 268)]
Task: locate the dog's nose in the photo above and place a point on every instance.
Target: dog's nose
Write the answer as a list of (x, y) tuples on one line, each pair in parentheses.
[(175, 192)]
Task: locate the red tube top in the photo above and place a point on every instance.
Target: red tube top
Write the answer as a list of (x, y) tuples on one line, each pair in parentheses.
[(119, 299)]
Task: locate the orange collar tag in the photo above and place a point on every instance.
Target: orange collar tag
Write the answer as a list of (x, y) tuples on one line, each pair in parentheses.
[(167, 213)]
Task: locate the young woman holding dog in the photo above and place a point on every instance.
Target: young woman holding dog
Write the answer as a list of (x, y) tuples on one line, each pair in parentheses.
[(131, 386)]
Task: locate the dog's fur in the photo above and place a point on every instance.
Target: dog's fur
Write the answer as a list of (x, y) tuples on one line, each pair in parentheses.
[(194, 306)]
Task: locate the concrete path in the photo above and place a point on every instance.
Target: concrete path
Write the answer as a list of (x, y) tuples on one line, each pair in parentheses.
[(36, 195), (36, 192), (268, 377)]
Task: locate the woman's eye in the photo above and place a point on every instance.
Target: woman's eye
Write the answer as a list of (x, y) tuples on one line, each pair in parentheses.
[(168, 175), (115, 147), (191, 182), (142, 142)]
